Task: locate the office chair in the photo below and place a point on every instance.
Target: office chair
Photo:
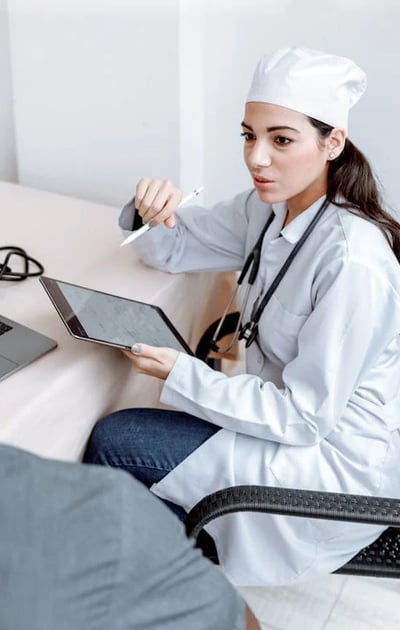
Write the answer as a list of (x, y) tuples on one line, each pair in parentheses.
[(379, 559)]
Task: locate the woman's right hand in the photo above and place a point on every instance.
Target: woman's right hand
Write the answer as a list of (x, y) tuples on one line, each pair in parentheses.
[(156, 201)]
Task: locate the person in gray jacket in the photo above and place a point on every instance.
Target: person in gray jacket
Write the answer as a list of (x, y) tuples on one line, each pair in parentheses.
[(84, 548)]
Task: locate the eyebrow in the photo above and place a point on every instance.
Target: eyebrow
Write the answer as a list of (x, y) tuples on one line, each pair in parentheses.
[(275, 128)]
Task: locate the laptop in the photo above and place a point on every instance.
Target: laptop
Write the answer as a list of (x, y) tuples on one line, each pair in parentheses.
[(20, 345)]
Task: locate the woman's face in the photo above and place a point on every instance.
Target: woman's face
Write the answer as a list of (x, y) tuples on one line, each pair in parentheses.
[(285, 155)]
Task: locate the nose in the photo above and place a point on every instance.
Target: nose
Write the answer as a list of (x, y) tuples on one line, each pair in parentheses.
[(259, 155)]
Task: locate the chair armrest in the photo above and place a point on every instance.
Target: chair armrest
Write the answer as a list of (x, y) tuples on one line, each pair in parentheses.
[(293, 502)]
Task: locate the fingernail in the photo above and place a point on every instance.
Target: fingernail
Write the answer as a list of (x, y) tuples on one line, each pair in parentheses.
[(136, 348)]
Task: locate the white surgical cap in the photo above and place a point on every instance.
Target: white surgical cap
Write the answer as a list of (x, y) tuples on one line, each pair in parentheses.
[(312, 82)]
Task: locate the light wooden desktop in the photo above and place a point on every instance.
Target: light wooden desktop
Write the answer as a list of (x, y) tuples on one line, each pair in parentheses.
[(50, 406)]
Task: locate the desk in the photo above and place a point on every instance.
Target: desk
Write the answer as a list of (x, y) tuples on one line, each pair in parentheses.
[(50, 406)]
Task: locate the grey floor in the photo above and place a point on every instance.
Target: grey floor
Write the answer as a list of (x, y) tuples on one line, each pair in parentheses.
[(334, 602)]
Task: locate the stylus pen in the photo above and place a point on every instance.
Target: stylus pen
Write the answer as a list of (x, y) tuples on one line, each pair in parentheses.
[(147, 226)]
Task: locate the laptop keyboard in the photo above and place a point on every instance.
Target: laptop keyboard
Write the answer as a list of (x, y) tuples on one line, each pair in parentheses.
[(4, 328)]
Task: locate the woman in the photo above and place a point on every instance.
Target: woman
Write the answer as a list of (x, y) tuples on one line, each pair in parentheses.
[(319, 405)]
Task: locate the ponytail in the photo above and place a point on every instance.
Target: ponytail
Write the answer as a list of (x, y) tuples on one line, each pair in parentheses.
[(350, 177)]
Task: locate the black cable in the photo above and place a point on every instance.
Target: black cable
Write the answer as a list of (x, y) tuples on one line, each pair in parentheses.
[(6, 271)]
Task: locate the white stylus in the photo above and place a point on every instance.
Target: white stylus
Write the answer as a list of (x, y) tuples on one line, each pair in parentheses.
[(147, 226)]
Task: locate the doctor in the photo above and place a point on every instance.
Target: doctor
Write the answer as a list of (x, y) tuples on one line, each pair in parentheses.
[(318, 406)]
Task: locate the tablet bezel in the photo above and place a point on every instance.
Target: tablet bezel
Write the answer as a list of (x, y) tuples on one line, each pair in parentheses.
[(73, 325)]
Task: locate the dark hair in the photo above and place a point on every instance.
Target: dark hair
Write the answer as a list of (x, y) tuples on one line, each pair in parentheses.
[(350, 176)]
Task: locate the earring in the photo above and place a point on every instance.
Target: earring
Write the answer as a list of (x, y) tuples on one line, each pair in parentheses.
[(331, 155)]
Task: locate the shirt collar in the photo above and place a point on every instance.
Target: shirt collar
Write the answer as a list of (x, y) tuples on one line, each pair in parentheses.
[(293, 232)]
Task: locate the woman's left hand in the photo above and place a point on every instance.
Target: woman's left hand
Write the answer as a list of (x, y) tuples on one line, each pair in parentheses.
[(151, 360)]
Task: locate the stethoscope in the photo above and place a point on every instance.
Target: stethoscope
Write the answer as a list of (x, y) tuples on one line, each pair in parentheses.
[(6, 272), (249, 330)]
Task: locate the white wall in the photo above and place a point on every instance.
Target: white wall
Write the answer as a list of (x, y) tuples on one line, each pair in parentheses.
[(97, 85), (110, 90), (8, 160), (191, 94), (238, 32)]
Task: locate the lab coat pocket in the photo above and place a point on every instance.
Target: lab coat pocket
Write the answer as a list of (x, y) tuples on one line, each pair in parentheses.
[(278, 331)]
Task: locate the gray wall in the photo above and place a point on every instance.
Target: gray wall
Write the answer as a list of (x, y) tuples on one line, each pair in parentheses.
[(97, 93), (107, 91), (8, 160), (238, 32)]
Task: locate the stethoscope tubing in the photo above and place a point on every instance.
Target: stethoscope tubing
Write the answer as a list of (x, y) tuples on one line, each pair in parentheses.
[(6, 273), (249, 331)]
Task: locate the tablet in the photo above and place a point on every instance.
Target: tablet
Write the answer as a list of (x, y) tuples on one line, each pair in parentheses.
[(109, 319)]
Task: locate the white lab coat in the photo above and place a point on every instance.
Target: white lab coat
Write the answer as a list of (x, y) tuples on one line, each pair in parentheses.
[(319, 405)]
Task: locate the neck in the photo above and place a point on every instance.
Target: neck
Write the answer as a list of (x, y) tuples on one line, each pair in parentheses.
[(292, 214), (298, 204)]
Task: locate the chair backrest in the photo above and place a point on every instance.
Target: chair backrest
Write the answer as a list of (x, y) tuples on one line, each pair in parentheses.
[(380, 559), (229, 326)]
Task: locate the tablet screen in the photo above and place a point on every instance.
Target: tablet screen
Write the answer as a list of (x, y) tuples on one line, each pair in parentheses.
[(105, 318)]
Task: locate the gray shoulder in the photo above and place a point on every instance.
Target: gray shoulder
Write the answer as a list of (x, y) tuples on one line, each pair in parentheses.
[(96, 530)]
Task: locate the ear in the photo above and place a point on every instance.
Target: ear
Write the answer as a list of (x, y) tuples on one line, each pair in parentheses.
[(335, 143)]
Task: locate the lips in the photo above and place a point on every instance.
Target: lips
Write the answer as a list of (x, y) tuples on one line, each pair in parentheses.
[(262, 180), (262, 184)]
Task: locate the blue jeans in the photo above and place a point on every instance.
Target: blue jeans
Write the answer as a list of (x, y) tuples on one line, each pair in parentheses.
[(147, 443)]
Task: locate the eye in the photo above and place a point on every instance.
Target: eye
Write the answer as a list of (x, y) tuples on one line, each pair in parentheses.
[(282, 140), (248, 136)]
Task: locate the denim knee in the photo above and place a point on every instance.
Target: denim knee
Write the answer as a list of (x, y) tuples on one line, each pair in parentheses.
[(156, 438), (102, 438)]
